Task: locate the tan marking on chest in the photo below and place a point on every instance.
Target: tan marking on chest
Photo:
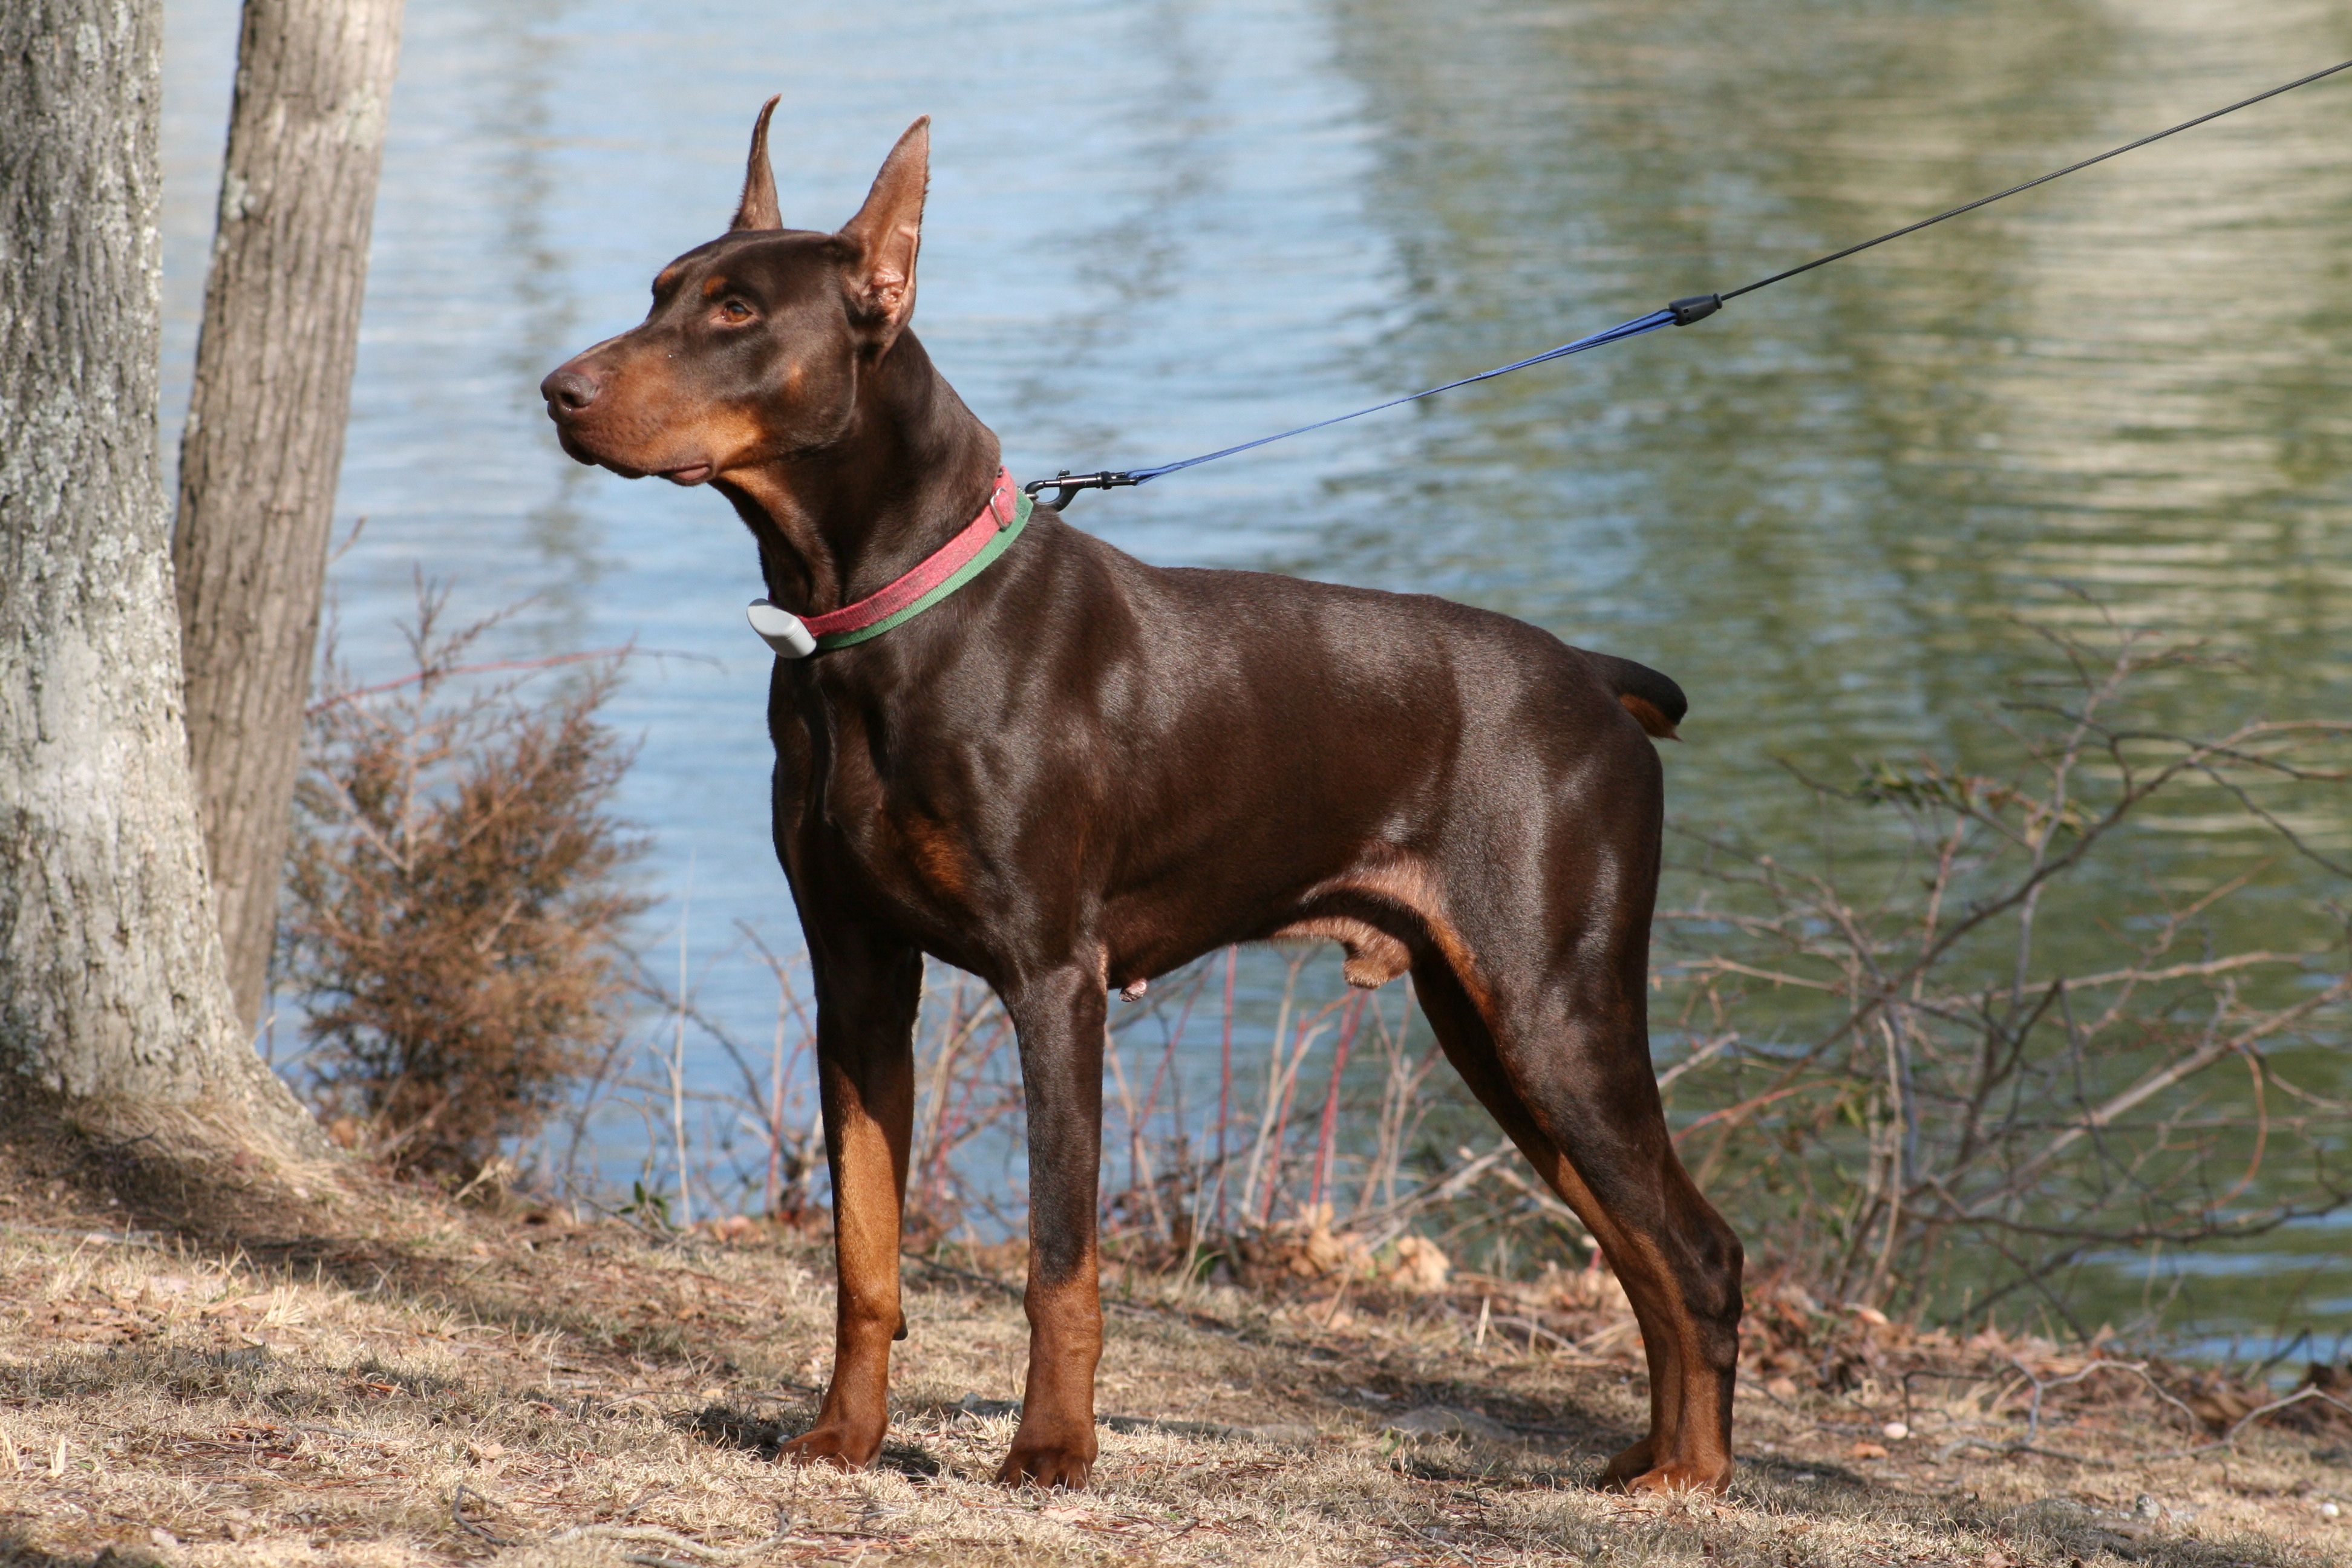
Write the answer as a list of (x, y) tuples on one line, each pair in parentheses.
[(938, 855)]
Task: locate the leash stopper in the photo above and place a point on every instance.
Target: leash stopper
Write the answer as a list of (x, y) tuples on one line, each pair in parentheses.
[(781, 629)]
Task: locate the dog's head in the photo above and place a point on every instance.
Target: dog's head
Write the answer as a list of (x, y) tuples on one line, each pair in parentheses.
[(756, 341)]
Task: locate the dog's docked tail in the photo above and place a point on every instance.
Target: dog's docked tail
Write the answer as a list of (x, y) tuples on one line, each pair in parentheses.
[(1654, 700)]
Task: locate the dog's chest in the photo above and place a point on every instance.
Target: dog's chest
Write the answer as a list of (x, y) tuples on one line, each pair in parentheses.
[(878, 824)]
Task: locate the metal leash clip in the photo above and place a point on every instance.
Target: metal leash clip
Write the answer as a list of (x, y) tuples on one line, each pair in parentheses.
[(1066, 484)]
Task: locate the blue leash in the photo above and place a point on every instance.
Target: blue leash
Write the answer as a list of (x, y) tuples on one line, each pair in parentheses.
[(1672, 316), (1680, 313)]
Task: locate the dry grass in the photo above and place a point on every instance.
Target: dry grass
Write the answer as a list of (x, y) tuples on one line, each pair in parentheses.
[(312, 1379)]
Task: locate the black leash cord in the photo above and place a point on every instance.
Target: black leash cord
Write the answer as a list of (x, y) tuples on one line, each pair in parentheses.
[(1680, 313), (2042, 180)]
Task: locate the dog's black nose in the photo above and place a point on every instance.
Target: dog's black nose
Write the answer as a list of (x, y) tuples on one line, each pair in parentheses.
[(567, 390)]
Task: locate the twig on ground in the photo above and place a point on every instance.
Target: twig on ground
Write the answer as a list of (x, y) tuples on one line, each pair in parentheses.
[(458, 1515), (2251, 1416)]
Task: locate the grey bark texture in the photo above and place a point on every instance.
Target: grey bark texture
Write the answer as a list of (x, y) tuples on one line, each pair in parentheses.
[(110, 979), (264, 433)]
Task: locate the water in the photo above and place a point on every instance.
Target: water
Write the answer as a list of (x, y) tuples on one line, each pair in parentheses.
[(1157, 229)]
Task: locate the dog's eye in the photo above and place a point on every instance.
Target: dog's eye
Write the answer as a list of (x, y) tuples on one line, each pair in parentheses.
[(735, 311)]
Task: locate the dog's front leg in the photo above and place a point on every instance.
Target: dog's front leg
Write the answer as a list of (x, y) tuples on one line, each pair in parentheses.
[(1059, 1018), (867, 993)]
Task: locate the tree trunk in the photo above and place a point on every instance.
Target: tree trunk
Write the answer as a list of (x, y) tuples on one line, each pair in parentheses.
[(264, 433), (110, 979)]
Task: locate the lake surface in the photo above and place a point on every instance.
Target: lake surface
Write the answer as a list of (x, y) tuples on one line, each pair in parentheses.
[(1157, 229)]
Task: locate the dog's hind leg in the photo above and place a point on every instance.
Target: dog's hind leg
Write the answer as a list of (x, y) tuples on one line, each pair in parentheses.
[(1470, 1046), (1568, 1078), (1058, 1018), (867, 995)]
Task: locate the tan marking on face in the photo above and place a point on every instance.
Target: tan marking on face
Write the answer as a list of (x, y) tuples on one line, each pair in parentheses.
[(653, 418), (635, 421), (729, 437), (714, 286), (667, 276)]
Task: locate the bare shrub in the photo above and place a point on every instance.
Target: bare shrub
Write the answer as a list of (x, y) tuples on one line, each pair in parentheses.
[(455, 913), (2047, 1036)]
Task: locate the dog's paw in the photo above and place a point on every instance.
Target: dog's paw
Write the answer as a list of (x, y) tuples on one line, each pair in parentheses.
[(1632, 1472), (836, 1445), (1633, 1462), (1048, 1464)]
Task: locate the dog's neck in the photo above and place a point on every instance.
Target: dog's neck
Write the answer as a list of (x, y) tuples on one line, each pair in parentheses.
[(838, 522)]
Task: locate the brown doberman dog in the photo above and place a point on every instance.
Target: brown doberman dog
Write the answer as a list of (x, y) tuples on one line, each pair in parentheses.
[(1080, 772)]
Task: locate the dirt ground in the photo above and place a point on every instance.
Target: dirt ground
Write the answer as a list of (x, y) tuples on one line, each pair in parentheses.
[(248, 1366)]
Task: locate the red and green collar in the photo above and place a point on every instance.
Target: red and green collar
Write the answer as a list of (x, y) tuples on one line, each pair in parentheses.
[(945, 570)]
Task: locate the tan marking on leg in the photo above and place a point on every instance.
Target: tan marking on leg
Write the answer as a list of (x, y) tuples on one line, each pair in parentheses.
[(1701, 1456), (1483, 1073), (1055, 1445), (1686, 1446), (870, 1179), (1639, 1270)]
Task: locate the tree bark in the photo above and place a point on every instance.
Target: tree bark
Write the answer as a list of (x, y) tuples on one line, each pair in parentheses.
[(264, 433), (110, 979)]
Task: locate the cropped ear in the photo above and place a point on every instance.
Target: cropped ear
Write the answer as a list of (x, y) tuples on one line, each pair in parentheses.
[(889, 230), (757, 208)]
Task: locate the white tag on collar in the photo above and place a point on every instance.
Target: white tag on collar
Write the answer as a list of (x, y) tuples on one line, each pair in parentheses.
[(781, 629)]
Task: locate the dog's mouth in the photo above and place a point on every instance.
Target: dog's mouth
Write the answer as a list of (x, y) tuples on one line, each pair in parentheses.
[(683, 474), (581, 450)]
